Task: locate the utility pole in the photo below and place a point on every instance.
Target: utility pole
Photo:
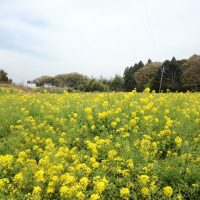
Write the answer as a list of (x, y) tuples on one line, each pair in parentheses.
[(161, 79)]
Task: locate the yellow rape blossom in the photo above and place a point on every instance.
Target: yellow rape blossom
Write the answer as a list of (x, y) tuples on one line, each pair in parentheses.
[(94, 197), (178, 141), (143, 179), (167, 191), (6, 160), (124, 192), (145, 191)]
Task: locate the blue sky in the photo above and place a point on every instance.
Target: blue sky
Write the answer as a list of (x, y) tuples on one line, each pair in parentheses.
[(93, 37)]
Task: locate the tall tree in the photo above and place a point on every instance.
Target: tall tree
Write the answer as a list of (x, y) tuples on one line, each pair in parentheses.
[(129, 80), (4, 77), (191, 74), (149, 61)]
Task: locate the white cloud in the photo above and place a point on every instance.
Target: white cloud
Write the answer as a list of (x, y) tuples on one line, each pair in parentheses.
[(40, 37)]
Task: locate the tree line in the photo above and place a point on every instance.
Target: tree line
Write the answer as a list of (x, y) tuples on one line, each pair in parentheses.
[(173, 75)]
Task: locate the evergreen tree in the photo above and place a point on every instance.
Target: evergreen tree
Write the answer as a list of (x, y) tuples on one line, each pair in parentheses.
[(129, 80), (170, 72)]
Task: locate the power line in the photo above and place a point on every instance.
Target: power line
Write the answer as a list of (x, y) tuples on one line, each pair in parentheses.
[(149, 28)]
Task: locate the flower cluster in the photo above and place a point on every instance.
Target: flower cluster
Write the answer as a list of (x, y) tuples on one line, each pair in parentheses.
[(99, 146)]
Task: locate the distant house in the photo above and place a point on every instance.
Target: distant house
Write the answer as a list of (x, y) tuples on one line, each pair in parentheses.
[(31, 84), (47, 85)]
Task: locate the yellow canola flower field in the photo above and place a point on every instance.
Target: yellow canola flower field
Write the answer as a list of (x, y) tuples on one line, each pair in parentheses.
[(99, 146)]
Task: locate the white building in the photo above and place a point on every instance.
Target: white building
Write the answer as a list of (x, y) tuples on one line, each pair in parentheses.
[(31, 84)]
